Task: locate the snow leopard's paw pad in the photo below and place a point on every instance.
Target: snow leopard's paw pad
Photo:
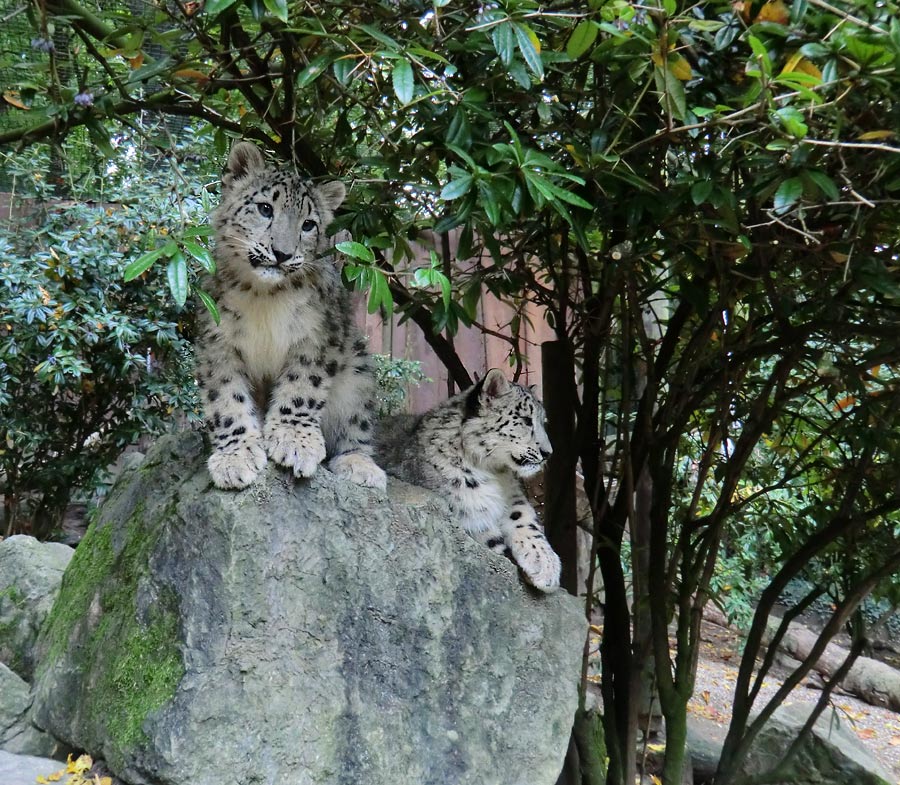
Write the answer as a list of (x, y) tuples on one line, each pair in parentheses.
[(360, 469)]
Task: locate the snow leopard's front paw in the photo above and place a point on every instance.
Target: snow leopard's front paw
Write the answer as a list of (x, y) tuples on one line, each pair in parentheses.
[(359, 468), (299, 449), (538, 561), (238, 466)]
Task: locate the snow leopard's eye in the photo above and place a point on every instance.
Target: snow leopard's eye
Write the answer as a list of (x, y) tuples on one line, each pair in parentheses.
[(308, 225), (265, 209)]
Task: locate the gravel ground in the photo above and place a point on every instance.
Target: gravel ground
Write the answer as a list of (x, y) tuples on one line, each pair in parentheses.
[(877, 728)]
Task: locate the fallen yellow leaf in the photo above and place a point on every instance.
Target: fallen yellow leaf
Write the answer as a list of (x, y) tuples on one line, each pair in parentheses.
[(869, 135), (12, 98), (81, 765), (866, 733), (774, 11)]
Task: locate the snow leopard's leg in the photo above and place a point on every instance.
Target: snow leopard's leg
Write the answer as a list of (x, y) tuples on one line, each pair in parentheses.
[(230, 413), (530, 549), (348, 421), (292, 430), (493, 539)]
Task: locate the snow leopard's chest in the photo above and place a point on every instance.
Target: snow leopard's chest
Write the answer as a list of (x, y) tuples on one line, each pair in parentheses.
[(265, 328)]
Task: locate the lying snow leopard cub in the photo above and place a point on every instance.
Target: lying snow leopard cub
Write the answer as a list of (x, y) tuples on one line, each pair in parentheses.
[(475, 447), (285, 374)]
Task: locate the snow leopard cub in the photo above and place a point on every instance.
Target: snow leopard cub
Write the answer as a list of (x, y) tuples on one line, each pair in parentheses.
[(474, 447), (285, 374)]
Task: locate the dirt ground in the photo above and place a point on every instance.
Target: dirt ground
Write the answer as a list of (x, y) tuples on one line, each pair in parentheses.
[(877, 728)]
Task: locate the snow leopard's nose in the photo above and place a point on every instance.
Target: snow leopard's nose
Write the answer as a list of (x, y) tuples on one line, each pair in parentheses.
[(281, 256), (546, 453)]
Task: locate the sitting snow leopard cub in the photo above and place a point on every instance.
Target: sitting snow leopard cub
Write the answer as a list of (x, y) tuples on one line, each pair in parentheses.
[(285, 373), (475, 447)]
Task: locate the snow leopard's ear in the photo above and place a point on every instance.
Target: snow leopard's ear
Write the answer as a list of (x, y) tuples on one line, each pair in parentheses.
[(331, 194), (495, 384), (244, 159)]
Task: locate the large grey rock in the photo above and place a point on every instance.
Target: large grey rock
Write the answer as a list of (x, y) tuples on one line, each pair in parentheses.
[(831, 755), (17, 734), (30, 573), (315, 633)]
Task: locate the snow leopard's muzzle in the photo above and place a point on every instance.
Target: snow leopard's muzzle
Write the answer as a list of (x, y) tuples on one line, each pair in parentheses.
[(530, 462)]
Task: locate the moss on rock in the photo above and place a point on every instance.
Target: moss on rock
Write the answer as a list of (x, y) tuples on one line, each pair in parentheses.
[(116, 629)]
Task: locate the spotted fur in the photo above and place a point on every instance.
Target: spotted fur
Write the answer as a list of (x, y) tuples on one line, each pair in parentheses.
[(285, 375), (474, 448)]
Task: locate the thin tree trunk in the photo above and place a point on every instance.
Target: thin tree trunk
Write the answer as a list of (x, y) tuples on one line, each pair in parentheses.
[(560, 514)]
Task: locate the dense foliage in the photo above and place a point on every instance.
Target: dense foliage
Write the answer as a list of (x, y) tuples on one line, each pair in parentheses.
[(88, 363), (705, 198)]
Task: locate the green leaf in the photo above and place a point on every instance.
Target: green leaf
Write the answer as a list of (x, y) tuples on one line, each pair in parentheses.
[(379, 292), (761, 53), (100, 137), (792, 121), (459, 133), (141, 264), (343, 69), (824, 183), (356, 250), (504, 42), (671, 90), (201, 254), (582, 38), (788, 194), (150, 71), (444, 283), (470, 162), (568, 196), (700, 191), (215, 7), (552, 192), (489, 202), (519, 74), (456, 188), (314, 70), (381, 37), (402, 78), (177, 274), (278, 9), (210, 304), (530, 47)]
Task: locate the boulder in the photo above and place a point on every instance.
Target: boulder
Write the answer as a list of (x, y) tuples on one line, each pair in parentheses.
[(30, 574), (312, 632), (831, 755), (17, 734)]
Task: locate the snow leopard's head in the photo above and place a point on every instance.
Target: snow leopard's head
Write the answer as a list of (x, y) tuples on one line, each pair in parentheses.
[(503, 426), (270, 224)]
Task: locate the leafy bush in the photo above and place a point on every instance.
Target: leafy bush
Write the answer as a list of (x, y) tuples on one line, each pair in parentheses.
[(88, 363), (394, 375)]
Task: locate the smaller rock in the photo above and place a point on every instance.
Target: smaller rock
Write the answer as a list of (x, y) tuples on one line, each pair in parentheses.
[(30, 574), (17, 734), (831, 755), (25, 769)]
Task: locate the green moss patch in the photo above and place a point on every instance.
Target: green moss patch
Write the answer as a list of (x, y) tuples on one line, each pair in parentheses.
[(141, 678), (127, 659)]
